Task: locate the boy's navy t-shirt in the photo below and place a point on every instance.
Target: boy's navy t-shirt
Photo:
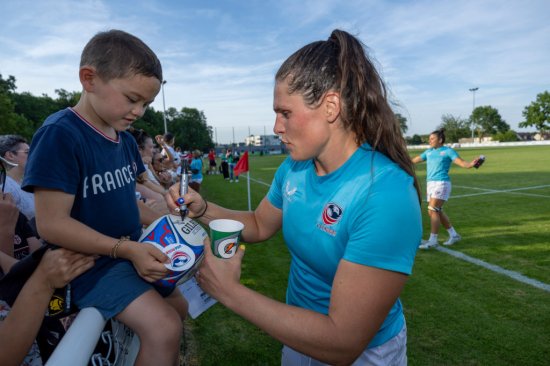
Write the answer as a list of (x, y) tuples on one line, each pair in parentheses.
[(69, 154)]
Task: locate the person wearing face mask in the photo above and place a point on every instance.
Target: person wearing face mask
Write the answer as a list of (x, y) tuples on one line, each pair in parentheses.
[(15, 149)]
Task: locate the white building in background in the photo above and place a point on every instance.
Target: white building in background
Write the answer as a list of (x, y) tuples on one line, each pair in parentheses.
[(262, 140)]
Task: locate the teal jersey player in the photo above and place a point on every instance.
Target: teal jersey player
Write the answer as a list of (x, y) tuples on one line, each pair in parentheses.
[(346, 214), (439, 162)]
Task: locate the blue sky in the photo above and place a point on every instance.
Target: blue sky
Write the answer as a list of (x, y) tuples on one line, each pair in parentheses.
[(220, 56)]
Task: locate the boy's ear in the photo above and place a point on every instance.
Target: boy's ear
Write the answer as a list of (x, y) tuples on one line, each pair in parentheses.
[(332, 106), (87, 75)]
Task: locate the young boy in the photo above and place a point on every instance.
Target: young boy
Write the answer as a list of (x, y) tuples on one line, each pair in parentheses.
[(82, 169)]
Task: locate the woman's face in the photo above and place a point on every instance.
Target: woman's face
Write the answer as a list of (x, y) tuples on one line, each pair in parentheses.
[(304, 130), (147, 149), (434, 141), (158, 160), (19, 155)]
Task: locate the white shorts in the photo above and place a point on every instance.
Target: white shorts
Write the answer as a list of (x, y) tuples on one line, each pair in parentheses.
[(439, 189), (393, 352)]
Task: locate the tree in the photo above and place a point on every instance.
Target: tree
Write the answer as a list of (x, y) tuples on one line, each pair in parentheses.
[(416, 140), (488, 121), (11, 122), (66, 99), (191, 130), (402, 122), (7, 85), (505, 136), (151, 122), (537, 114), (455, 127), (34, 109)]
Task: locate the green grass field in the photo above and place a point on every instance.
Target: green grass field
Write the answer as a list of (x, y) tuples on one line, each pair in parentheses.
[(458, 313)]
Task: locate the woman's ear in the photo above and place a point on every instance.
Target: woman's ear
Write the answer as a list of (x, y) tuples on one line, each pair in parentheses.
[(87, 75), (332, 106)]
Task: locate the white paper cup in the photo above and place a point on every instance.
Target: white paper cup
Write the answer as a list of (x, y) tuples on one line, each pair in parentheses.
[(225, 236)]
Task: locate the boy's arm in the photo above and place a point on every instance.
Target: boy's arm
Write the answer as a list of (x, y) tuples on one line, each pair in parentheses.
[(146, 214), (56, 225)]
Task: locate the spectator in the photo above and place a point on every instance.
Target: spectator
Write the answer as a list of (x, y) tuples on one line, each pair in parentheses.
[(147, 184), (230, 163), (15, 149), (212, 162), (17, 238), (19, 325), (166, 142), (196, 171), (224, 165)]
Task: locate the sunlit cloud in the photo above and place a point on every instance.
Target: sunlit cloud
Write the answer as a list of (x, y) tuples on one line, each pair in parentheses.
[(221, 58)]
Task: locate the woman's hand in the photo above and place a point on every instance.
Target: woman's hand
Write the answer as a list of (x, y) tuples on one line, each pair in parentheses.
[(8, 213), (60, 266), (194, 201), (218, 276)]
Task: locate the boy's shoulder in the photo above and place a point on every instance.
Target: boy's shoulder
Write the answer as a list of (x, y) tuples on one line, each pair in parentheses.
[(59, 117)]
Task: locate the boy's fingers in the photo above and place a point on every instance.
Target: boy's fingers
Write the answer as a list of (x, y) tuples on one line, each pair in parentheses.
[(159, 255)]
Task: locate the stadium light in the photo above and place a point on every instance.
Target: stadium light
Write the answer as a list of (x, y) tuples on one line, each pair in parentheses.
[(163, 107), (473, 90)]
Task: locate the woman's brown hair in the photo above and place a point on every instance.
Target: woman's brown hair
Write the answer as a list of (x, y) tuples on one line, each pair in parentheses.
[(341, 64)]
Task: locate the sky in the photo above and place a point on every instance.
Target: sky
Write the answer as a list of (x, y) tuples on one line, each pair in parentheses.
[(221, 56)]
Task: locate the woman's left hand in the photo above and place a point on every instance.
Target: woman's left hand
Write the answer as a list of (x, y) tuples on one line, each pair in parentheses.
[(218, 276)]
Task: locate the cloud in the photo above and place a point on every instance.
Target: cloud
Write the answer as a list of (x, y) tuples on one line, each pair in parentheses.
[(221, 57)]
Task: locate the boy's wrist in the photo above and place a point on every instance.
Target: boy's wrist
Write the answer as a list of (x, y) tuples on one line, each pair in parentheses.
[(117, 251)]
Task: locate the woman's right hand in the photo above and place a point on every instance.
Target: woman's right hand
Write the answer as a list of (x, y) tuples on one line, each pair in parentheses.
[(194, 201)]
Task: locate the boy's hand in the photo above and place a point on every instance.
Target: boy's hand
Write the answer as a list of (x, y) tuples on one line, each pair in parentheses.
[(147, 260)]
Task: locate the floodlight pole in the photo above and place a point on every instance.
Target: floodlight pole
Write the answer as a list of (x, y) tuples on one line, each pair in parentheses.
[(473, 90), (163, 107)]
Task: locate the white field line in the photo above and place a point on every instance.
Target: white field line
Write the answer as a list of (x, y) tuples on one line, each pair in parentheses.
[(514, 275), (495, 191), (260, 182)]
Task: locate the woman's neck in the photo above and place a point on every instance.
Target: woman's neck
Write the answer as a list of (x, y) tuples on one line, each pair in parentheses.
[(16, 174)]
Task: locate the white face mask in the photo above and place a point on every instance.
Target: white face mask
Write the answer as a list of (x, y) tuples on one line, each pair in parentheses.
[(8, 164)]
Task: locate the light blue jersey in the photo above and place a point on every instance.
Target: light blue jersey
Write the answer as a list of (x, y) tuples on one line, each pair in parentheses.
[(439, 162), (366, 212), (196, 165)]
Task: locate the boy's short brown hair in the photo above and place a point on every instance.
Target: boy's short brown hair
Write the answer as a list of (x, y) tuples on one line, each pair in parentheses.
[(117, 54)]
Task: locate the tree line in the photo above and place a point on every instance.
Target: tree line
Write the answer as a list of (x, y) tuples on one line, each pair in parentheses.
[(486, 121), (23, 113)]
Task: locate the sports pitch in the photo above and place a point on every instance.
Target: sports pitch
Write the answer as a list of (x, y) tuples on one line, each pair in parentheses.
[(458, 312)]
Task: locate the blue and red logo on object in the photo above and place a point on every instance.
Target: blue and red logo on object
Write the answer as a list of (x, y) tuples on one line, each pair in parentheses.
[(179, 260), (331, 213)]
